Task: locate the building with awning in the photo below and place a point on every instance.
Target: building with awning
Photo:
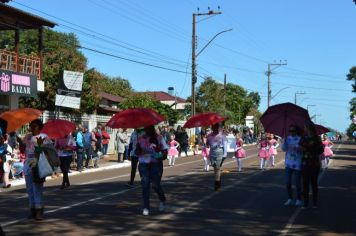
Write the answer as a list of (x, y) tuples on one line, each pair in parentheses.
[(20, 75)]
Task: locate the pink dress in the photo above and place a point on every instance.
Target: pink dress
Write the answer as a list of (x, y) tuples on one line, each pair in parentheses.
[(172, 151), (273, 147), (327, 150), (263, 152), (240, 153)]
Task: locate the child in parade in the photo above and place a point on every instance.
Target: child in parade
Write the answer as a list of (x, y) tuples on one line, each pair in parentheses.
[(240, 152), (263, 152), (172, 151), (217, 143), (273, 144), (328, 153), (19, 159), (205, 153), (5, 155)]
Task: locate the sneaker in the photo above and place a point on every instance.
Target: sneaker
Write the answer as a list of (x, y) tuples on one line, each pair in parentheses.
[(161, 207), (145, 212), (298, 203), (130, 185), (289, 202)]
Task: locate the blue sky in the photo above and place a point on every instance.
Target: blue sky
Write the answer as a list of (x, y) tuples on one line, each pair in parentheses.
[(317, 38)]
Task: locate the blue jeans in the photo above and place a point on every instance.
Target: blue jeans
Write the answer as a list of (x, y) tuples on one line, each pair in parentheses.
[(80, 154), (297, 182), (34, 191), (151, 173), (105, 149)]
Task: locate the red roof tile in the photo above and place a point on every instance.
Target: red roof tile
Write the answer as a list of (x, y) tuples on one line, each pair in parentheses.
[(163, 96)]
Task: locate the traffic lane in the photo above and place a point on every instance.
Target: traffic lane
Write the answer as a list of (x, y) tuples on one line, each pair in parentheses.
[(336, 214), (186, 193), (83, 193), (119, 215)]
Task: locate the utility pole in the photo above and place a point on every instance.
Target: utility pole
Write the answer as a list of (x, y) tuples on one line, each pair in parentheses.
[(269, 72), (194, 76), (224, 94)]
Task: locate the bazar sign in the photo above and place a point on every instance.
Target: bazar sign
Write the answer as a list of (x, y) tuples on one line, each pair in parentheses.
[(14, 83)]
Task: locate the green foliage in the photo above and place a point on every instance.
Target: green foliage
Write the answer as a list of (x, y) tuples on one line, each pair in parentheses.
[(352, 77), (117, 86), (234, 103), (142, 100)]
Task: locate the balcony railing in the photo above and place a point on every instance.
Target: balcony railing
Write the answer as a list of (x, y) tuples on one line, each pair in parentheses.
[(27, 64)]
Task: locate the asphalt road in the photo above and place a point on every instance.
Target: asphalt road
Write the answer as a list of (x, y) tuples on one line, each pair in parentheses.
[(249, 203)]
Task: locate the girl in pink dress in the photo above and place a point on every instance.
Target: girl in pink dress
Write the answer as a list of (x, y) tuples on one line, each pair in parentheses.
[(328, 153), (205, 153), (263, 153), (273, 143), (240, 152), (172, 151)]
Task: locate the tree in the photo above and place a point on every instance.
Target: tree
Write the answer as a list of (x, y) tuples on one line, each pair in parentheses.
[(142, 100), (234, 103), (352, 77)]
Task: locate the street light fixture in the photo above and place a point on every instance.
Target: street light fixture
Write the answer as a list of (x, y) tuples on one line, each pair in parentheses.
[(279, 92), (295, 96)]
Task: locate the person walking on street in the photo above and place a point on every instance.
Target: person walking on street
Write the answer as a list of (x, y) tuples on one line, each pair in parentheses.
[(183, 140), (65, 148), (34, 184), (328, 153), (263, 152), (87, 140), (312, 148), (172, 151), (121, 140), (205, 153), (273, 144), (293, 165), (151, 150), (217, 143), (133, 156), (5, 155), (240, 153)]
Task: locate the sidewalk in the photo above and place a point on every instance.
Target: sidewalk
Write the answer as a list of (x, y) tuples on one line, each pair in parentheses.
[(108, 162)]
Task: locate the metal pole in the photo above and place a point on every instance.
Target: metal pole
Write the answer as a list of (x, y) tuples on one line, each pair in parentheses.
[(193, 67), (269, 86)]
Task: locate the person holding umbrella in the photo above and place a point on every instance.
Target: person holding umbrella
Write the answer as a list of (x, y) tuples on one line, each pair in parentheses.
[(65, 147), (312, 148), (151, 150), (217, 143), (293, 165)]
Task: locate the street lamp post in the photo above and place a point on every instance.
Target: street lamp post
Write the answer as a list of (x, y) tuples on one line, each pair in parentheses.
[(194, 55), (295, 96)]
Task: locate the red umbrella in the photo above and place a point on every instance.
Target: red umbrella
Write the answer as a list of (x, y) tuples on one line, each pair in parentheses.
[(203, 120), (135, 118), (277, 119), (15, 119), (58, 128), (321, 129)]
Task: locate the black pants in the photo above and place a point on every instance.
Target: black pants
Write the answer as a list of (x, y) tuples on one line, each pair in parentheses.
[(65, 165), (89, 154), (134, 162), (310, 174)]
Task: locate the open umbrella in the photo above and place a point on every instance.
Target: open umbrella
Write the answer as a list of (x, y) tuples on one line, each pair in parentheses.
[(203, 120), (277, 119), (321, 129), (17, 118), (135, 118), (58, 128)]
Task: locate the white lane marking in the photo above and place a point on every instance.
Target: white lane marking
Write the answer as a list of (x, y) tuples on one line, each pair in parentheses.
[(158, 223), (292, 219)]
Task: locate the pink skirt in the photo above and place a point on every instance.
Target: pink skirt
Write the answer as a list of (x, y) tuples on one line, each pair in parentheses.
[(241, 153), (328, 152), (172, 152), (205, 152), (273, 151), (263, 153)]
